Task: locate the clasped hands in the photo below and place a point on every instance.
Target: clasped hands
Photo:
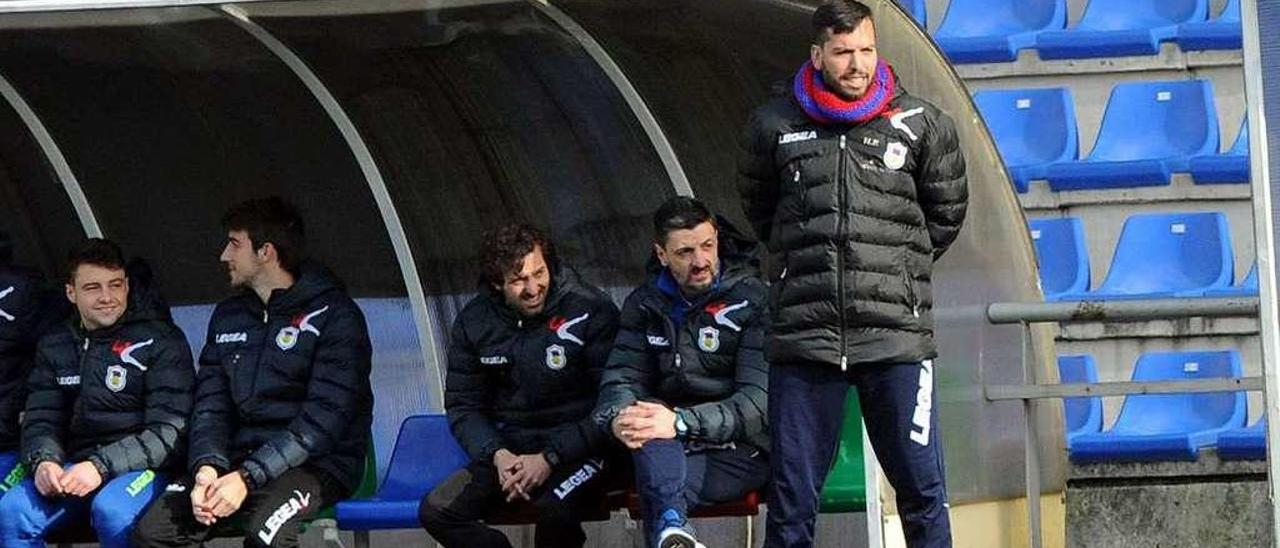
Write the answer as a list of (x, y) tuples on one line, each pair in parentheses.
[(214, 497), (52, 480), (520, 474), (643, 421)]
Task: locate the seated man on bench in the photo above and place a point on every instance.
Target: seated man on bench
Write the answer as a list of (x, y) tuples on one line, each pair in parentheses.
[(686, 387), (524, 368)]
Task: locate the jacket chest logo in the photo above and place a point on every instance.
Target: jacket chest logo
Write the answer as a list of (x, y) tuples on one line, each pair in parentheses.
[(288, 336), (7, 316), (117, 377), (69, 380), (898, 119), (895, 155), (224, 338), (561, 326), (709, 339), (721, 310), (796, 137), (125, 349), (556, 359)]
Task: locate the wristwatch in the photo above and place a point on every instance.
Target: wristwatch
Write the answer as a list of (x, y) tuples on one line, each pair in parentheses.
[(551, 456), (682, 427)]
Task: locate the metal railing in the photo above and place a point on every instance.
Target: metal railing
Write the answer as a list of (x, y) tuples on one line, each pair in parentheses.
[(1027, 314)]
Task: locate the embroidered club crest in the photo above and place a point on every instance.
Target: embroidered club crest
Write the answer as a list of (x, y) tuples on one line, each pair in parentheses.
[(895, 155), (287, 337), (709, 339), (117, 377), (556, 359)]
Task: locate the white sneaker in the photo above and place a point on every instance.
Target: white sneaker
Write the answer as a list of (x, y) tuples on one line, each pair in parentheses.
[(678, 537)]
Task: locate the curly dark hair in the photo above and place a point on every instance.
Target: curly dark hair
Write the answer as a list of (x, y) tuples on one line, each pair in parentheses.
[(271, 220), (502, 251)]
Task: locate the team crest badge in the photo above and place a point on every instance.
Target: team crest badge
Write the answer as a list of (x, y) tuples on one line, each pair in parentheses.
[(117, 376), (709, 339), (287, 337), (556, 359), (895, 155)]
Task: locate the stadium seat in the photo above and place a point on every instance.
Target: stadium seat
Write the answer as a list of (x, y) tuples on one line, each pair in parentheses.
[(1063, 256), (993, 31), (1155, 427), (1244, 443), (425, 454), (917, 10), (1223, 32), (1113, 28), (1228, 167), (1083, 415), (1149, 131), (1033, 128), (1168, 255), (846, 487)]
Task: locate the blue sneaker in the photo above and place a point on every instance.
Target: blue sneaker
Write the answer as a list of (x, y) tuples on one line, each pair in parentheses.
[(675, 532)]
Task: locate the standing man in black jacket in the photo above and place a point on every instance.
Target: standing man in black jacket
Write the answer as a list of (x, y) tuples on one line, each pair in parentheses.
[(28, 309), (525, 357), (857, 187), (283, 403), (109, 399), (686, 387)]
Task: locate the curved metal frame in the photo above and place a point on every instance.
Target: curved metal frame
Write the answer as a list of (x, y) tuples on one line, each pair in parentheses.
[(55, 157), (390, 217), (611, 69)]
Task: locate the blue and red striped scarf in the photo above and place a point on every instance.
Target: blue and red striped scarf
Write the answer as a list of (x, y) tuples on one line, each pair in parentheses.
[(826, 107)]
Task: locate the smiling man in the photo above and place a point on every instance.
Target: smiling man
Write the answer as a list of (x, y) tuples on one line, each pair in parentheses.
[(686, 385), (524, 368), (109, 399), (283, 405), (856, 187)]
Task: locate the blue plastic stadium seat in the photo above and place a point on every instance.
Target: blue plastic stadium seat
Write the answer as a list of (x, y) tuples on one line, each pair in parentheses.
[(1244, 443), (1033, 128), (1224, 32), (1112, 28), (1083, 415), (1154, 427), (1149, 131), (425, 454), (917, 10), (1063, 256), (1229, 167), (992, 31), (1168, 255)]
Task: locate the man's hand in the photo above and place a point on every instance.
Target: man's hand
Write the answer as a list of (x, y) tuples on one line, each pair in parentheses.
[(508, 464), (49, 479), (200, 507), (226, 494), (81, 479), (643, 421), (533, 471)]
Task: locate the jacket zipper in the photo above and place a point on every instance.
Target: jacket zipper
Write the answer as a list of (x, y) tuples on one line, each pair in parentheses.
[(842, 198)]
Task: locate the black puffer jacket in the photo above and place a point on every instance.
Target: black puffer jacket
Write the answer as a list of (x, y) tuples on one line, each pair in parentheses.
[(712, 364), (119, 396), (528, 384), (285, 384), (854, 217), (29, 308)]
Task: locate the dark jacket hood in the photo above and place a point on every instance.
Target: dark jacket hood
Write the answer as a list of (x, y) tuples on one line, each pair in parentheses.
[(314, 279)]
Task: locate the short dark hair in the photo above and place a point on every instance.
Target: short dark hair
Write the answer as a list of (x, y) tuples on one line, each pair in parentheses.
[(97, 252), (679, 213), (6, 247), (837, 17), (271, 220), (502, 251)]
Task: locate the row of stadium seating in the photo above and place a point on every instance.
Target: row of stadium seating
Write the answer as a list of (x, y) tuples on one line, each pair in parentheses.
[(994, 31), (1149, 131), (1155, 427), (1158, 255)]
